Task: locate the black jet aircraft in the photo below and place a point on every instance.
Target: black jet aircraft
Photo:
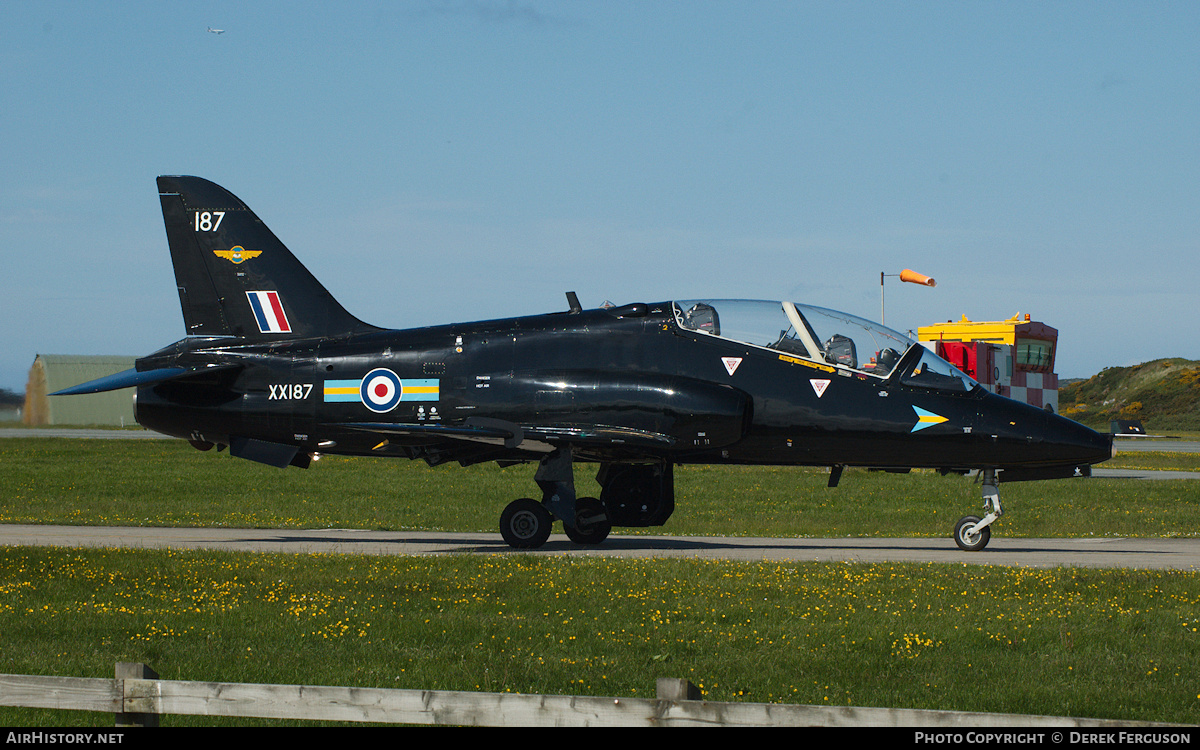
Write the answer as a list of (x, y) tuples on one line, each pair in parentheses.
[(274, 369)]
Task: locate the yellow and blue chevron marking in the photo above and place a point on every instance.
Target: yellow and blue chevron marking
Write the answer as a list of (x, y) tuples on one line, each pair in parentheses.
[(926, 419)]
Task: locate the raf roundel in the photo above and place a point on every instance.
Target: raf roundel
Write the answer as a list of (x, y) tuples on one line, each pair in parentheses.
[(381, 390)]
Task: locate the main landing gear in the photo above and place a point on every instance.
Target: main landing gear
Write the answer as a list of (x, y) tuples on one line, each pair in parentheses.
[(631, 495), (526, 523), (972, 533)]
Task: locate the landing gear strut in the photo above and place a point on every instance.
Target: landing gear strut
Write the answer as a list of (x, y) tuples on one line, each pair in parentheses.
[(631, 494), (972, 533), (526, 523)]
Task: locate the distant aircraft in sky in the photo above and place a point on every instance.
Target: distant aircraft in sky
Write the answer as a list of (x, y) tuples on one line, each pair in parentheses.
[(211, 30)]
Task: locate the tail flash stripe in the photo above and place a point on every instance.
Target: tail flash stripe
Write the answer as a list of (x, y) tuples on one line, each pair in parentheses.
[(259, 315), (268, 312), (277, 308)]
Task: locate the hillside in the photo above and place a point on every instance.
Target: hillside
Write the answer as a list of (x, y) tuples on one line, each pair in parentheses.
[(1163, 394)]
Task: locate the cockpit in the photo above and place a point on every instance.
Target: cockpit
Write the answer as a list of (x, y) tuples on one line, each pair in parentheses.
[(820, 335)]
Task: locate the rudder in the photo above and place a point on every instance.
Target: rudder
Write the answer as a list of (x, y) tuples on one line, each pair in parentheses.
[(235, 277)]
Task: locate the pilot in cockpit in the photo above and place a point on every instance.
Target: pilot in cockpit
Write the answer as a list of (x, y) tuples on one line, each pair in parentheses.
[(702, 317)]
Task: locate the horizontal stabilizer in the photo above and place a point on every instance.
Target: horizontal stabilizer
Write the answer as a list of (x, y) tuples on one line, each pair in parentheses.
[(131, 378), (126, 379)]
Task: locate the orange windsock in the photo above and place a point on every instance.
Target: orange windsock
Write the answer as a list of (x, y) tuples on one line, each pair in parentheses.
[(915, 278)]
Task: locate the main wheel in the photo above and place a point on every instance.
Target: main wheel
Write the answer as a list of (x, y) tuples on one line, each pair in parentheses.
[(525, 524), (591, 522), (967, 541)]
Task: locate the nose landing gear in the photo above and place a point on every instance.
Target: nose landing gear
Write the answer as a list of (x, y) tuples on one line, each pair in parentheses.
[(972, 533)]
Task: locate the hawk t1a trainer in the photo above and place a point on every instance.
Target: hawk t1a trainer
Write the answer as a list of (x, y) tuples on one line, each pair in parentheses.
[(277, 371)]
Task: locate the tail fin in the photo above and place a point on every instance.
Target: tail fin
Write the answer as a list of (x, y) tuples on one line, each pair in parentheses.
[(235, 277)]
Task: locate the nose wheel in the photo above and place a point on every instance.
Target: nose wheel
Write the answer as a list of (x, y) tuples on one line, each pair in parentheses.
[(973, 533), (967, 537)]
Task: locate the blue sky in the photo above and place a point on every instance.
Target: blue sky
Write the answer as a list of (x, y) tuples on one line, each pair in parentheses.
[(439, 161)]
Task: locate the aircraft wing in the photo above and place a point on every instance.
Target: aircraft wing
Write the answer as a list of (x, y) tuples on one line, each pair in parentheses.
[(540, 438), (598, 413)]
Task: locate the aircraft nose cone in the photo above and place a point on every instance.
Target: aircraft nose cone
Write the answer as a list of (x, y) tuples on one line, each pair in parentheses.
[(1041, 438), (1084, 443), (1067, 441)]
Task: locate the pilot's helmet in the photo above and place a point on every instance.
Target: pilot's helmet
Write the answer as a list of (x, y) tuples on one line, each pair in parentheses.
[(888, 359), (703, 317)]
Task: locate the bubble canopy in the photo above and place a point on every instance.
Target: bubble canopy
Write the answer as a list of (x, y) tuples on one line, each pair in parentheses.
[(821, 335)]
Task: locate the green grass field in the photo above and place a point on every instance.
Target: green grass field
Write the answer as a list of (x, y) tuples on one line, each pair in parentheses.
[(167, 483), (1075, 642)]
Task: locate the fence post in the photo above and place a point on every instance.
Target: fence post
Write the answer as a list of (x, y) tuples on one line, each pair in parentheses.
[(677, 689), (129, 670)]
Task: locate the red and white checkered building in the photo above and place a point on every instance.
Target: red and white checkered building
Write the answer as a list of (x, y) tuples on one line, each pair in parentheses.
[(1014, 357)]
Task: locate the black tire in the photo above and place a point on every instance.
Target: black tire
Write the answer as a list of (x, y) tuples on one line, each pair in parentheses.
[(591, 522), (968, 542), (525, 524)]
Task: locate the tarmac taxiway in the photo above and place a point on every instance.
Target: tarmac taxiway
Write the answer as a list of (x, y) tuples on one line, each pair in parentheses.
[(1113, 552)]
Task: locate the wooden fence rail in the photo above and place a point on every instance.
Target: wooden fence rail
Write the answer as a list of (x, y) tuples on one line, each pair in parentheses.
[(138, 697)]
